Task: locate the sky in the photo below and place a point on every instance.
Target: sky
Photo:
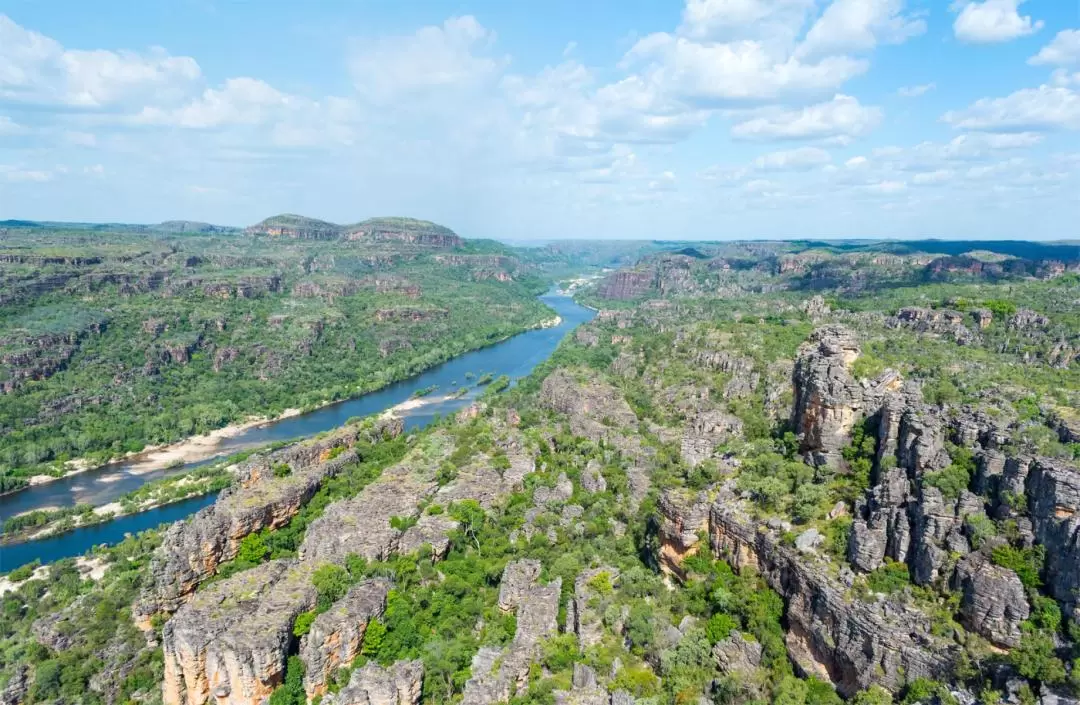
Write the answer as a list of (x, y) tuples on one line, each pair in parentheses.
[(530, 119)]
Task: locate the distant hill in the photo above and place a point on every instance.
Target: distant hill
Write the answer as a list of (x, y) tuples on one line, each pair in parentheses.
[(169, 226), (389, 229)]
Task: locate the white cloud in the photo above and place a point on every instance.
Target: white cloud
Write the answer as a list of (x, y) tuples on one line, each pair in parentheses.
[(860, 25), (1063, 50), (993, 21), (241, 101), (1044, 108), (39, 70), (840, 120), (745, 71), (801, 159), (435, 58), (725, 19), (932, 178), (15, 174), (95, 170), (916, 91), (886, 188), (9, 126)]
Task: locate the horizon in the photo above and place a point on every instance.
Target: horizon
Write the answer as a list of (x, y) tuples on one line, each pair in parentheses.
[(703, 120)]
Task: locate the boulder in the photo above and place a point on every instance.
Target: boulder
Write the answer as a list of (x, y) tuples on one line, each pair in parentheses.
[(736, 655)]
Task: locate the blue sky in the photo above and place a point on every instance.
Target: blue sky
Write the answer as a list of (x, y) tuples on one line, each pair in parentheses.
[(711, 119)]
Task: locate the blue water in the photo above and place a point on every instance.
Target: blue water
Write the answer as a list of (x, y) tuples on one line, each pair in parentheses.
[(515, 357)]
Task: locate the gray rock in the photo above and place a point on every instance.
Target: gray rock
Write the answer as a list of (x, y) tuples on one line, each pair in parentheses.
[(993, 601), (851, 643), (15, 691), (400, 684), (497, 674), (737, 655), (828, 400), (336, 635), (809, 540), (585, 619), (592, 480), (1053, 489)]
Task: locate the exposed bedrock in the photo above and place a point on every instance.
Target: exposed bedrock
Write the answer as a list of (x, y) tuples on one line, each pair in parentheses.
[(400, 684), (229, 644), (828, 400), (993, 602), (336, 635), (853, 644), (683, 517), (1053, 493), (497, 674), (191, 551), (582, 615)]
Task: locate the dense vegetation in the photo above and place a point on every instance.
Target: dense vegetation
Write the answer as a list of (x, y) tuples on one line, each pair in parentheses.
[(640, 379), (112, 341)]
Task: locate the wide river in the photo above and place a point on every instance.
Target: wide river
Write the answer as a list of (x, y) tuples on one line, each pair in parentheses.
[(515, 357)]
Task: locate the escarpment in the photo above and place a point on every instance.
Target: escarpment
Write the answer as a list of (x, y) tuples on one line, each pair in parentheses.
[(192, 551), (853, 645), (229, 644)]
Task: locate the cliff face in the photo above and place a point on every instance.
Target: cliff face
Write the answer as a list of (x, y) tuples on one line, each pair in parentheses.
[(828, 400), (1053, 493), (336, 635), (191, 551), (229, 644), (851, 643), (400, 684), (625, 285)]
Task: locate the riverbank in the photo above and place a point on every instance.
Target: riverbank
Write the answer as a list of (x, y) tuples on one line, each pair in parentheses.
[(141, 495), (199, 448)]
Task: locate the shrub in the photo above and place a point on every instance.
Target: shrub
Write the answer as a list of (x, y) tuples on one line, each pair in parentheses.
[(889, 578), (1027, 563), (1034, 658)]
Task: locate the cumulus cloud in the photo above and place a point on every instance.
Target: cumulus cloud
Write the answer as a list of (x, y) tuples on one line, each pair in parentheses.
[(1048, 107), (993, 21), (39, 70), (916, 91), (840, 119), (801, 159), (450, 56), (860, 25), (1063, 50)]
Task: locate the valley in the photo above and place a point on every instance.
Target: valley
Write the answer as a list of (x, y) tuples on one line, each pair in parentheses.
[(757, 472)]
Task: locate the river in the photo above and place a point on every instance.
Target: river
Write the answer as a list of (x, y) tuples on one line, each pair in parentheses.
[(515, 357)]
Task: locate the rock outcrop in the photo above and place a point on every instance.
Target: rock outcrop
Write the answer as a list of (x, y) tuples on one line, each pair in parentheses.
[(1053, 493), (828, 400), (336, 635), (736, 655), (852, 644), (626, 284), (584, 613), (230, 643), (400, 684), (683, 519), (993, 602), (497, 674)]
